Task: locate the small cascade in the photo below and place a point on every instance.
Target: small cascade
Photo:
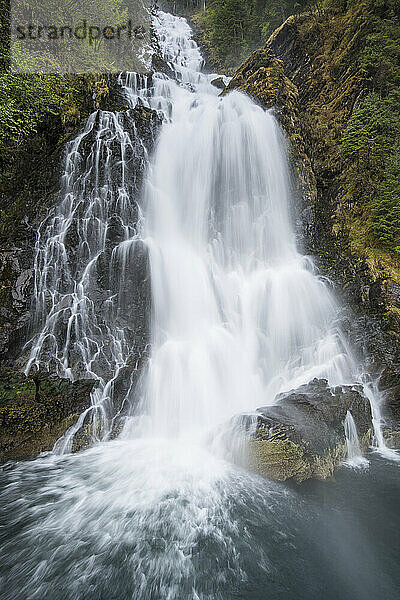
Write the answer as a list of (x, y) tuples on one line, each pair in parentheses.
[(183, 61), (354, 459), (85, 249)]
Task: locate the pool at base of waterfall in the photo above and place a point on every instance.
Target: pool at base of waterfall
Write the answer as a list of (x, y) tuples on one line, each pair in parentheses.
[(85, 527)]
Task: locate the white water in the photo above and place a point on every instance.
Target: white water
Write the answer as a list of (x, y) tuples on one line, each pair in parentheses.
[(82, 281), (355, 459), (238, 315)]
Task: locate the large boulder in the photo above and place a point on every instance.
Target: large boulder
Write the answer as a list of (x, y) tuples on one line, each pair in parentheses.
[(302, 434)]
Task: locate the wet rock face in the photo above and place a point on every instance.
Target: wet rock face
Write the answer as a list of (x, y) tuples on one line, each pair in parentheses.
[(16, 283), (160, 65), (19, 229), (218, 82), (302, 435), (35, 411), (389, 385), (30, 426)]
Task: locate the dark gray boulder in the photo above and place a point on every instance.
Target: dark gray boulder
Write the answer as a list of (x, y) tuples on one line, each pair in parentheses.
[(302, 435)]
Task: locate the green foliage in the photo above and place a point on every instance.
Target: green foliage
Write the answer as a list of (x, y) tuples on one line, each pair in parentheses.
[(28, 100), (234, 28), (386, 205), (370, 132), (380, 57), (371, 139), (87, 54), (24, 102)]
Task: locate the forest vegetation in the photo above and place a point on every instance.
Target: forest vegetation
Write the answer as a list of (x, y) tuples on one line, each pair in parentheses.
[(29, 99), (232, 29)]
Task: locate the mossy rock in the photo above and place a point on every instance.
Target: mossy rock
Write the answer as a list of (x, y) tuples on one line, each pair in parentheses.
[(302, 435), (36, 411), (262, 77), (279, 459)]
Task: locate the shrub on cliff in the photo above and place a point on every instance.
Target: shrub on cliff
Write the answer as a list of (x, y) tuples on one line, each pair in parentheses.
[(386, 205)]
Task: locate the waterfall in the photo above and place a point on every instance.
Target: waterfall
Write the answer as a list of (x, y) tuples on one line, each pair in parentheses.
[(158, 508), (238, 314), (355, 458)]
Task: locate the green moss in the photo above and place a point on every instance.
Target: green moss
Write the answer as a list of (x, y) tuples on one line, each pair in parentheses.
[(34, 409), (276, 456), (42, 440), (282, 459), (278, 459), (262, 77)]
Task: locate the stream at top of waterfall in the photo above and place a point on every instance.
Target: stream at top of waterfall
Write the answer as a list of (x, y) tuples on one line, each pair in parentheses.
[(155, 509)]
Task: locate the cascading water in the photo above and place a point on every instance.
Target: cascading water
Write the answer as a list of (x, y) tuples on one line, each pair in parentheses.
[(238, 315), (355, 458), (83, 287)]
